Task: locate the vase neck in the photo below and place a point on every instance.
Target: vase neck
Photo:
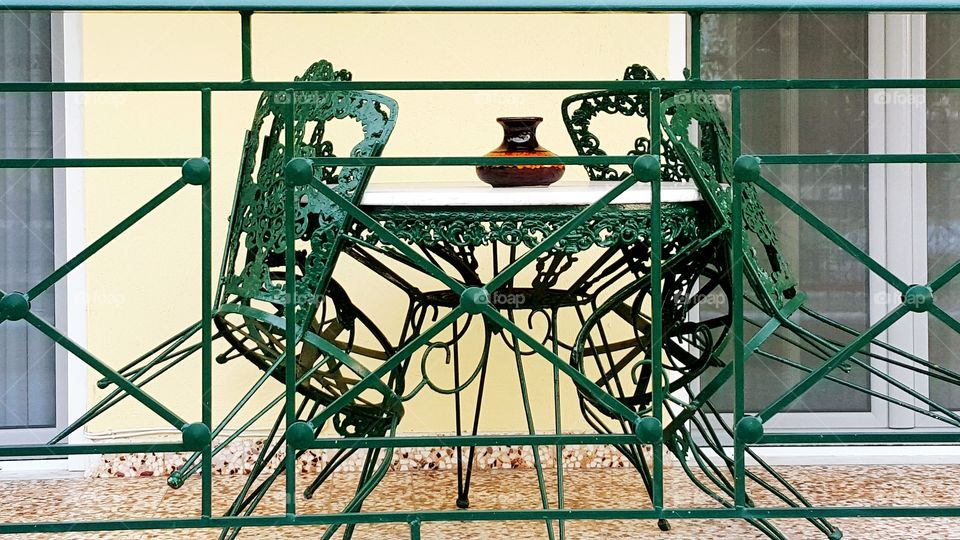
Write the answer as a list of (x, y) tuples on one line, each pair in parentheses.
[(520, 132)]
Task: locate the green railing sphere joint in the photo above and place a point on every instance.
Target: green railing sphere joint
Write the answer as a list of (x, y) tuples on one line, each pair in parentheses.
[(473, 300), (649, 430), (298, 171), (749, 429), (647, 168), (196, 435), (918, 298), (300, 434), (14, 306), (746, 169), (196, 171)]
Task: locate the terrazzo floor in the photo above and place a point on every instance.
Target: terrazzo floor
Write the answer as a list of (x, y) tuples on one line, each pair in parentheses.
[(118, 498)]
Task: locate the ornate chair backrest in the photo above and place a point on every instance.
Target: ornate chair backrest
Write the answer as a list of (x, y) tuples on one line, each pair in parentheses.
[(580, 110), (709, 161), (254, 262)]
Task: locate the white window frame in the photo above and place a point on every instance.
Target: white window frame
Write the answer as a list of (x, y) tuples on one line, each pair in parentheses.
[(897, 47)]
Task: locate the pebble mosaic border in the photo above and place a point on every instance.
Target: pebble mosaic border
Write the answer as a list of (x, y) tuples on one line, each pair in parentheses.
[(239, 456)]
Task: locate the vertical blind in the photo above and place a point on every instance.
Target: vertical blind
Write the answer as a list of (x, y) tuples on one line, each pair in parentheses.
[(774, 46), (943, 195), (27, 358)]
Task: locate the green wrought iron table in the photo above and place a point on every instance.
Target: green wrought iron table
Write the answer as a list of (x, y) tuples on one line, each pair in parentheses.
[(479, 230)]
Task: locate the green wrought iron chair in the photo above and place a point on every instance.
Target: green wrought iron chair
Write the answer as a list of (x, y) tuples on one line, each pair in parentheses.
[(697, 147), (694, 277), (771, 287), (251, 300)]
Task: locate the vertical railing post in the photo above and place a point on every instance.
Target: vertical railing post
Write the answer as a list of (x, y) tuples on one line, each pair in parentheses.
[(246, 46), (561, 524), (656, 300), (206, 296), (696, 44), (290, 289), (736, 275)]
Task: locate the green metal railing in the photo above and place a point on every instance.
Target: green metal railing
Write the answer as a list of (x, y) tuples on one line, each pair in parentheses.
[(196, 173)]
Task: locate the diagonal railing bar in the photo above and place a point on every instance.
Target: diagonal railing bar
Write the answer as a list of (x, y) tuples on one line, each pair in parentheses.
[(382, 232), (945, 277), (107, 237), (117, 395), (559, 234), (831, 234), (611, 403), (860, 342), (944, 317), (105, 370)]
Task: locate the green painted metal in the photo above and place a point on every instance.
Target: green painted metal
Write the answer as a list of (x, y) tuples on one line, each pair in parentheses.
[(607, 6), (297, 212), (664, 85)]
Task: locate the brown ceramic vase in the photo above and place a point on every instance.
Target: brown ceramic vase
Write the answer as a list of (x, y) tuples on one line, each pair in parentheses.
[(520, 140)]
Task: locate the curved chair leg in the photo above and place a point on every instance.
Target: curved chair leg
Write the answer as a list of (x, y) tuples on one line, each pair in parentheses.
[(369, 479), (715, 472), (246, 502), (633, 453)]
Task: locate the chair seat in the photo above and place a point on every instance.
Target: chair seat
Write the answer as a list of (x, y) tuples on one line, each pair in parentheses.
[(474, 193)]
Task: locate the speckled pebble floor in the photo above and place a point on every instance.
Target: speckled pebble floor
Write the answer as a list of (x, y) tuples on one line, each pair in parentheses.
[(117, 498)]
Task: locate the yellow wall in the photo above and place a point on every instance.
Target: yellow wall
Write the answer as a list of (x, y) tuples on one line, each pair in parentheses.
[(145, 286)]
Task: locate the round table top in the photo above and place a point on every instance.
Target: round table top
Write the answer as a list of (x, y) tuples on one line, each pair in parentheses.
[(474, 193)]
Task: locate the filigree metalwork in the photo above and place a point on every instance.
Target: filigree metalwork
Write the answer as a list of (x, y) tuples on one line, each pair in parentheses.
[(616, 226), (580, 110), (258, 212), (710, 160)]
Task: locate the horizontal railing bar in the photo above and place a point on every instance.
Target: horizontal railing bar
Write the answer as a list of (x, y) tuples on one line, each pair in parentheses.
[(848, 159), (861, 438), (26, 450), (719, 85), (68, 163), (471, 440), (488, 515), (473, 160), (347, 6), (767, 159)]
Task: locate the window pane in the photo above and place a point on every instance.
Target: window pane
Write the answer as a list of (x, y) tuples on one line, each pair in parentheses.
[(786, 46), (27, 358), (943, 195)]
